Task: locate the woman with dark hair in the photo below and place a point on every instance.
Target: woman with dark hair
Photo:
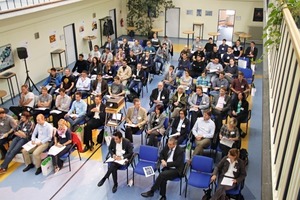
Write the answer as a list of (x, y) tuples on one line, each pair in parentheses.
[(181, 125), (22, 136), (156, 125), (109, 72), (232, 168), (239, 110), (230, 133), (95, 67)]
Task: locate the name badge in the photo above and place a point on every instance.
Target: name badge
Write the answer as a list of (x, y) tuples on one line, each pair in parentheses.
[(232, 133), (228, 57), (2, 124), (157, 120), (63, 136), (24, 129), (218, 67), (123, 152), (183, 126), (95, 69), (204, 102), (163, 97), (222, 85), (242, 86), (146, 62), (224, 102), (139, 117)]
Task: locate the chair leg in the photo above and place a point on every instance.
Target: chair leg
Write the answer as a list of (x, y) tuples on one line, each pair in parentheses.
[(69, 162), (79, 154), (186, 185), (133, 178), (180, 186), (127, 175)]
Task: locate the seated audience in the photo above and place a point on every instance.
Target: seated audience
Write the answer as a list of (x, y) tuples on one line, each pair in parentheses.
[(186, 80), (239, 110), (186, 51), (150, 48), (229, 132), (95, 68), (214, 54), (120, 56), (22, 134), (147, 63), (138, 78), (183, 64), (124, 73), (109, 72), (203, 132), (80, 65), (181, 125), (62, 105), (196, 44), (125, 47), (230, 166), (213, 69), (223, 48), (251, 52), (136, 117), (209, 46), (231, 71), (120, 148), (159, 96), (53, 80), (83, 84), (156, 125), (41, 138), (197, 67), (178, 101), (198, 103), (131, 60), (96, 115), (7, 126), (155, 41), (68, 82), (77, 112), (116, 88), (110, 45), (99, 86), (137, 49), (203, 80), (239, 85), (172, 162), (106, 56), (237, 50), (227, 56), (44, 103), (170, 78), (220, 107), (218, 83), (62, 137), (26, 102), (160, 57), (95, 52)]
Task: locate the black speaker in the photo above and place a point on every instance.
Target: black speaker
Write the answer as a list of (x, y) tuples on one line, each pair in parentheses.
[(22, 52)]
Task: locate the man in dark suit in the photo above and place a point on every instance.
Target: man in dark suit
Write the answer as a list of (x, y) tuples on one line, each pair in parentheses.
[(96, 113), (120, 148), (181, 125), (125, 47), (220, 107), (100, 86), (109, 44), (172, 161), (159, 95), (251, 52), (138, 78)]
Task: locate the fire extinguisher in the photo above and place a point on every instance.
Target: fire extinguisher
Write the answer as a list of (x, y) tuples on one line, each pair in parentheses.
[(122, 22)]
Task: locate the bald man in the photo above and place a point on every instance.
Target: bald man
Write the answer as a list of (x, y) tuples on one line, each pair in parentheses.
[(7, 126), (159, 96), (40, 137)]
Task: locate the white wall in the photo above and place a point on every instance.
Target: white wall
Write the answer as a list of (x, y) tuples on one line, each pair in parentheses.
[(20, 30), (244, 9)]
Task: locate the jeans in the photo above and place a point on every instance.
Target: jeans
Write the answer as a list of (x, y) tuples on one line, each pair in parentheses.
[(133, 84), (76, 121), (14, 149)]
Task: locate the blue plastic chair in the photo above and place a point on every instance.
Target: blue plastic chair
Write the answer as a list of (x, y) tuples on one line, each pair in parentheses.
[(147, 156), (201, 169), (179, 179), (236, 192), (248, 74)]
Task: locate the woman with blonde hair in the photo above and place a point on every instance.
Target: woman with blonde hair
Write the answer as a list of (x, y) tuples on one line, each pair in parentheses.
[(229, 136), (62, 139), (233, 169)]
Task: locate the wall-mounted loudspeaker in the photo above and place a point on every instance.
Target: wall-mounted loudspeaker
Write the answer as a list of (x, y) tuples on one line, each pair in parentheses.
[(22, 52)]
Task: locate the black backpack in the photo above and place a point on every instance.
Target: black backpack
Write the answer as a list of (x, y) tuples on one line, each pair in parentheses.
[(132, 95), (244, 156)]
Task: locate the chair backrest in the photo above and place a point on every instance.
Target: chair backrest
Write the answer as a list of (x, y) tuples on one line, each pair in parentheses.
[(247, 74), (166, 123), (76, 141), (148, 153), (248, 117), (202, 164)]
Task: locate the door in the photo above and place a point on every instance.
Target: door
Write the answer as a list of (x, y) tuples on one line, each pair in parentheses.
[(112, 14), (226, 25), (70, 44), (172, 22)]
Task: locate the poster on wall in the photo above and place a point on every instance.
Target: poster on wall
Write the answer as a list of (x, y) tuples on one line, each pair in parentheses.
[(208, 13), (258, 15), (81, 29), (189, 12), (53, 39), (199, 12)]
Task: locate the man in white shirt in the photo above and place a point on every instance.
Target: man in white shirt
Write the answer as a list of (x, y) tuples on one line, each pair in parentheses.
[(83, 84), (96, 53), (203, 131), (41, 137), (62, 104), (26, 102)]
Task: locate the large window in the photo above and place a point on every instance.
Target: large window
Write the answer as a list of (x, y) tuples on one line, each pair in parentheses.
[(11, 5)]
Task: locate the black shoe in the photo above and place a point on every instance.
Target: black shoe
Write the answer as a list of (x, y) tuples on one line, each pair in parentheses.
[(163, 198), (148, 194), (101, 182), (114, 189), (38, 171), (28, 167), (86, 148)]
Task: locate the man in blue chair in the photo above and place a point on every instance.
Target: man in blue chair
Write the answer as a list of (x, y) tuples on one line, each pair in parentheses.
[(172, 161), (120, 148)]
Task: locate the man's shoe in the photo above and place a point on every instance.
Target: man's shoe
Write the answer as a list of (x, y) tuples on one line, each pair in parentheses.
[(114, 189), (2, 171), (86, 148), (38, 171), (101, 182), (163, 198), (28, 167), (148, 194)]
